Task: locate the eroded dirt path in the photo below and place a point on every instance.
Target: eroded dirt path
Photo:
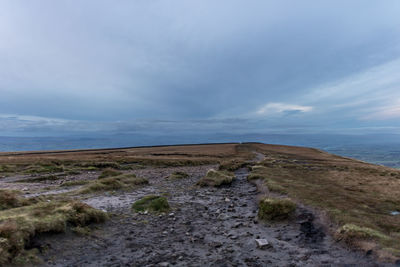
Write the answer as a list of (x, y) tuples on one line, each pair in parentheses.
[(206, 227)]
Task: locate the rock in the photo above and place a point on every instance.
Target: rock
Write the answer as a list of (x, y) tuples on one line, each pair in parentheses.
[(25, 189), (222, 217), (263, 243), (171, 214), (164, 264), (227, 199)]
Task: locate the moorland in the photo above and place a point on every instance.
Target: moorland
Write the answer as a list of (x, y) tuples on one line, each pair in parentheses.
[(247, 204)]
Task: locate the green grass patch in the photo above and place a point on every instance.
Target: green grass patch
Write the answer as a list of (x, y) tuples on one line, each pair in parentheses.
[(216, 178), (275, 208), (151, 203)]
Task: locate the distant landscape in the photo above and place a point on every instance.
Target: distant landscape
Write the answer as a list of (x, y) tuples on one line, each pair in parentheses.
[(373, 149)]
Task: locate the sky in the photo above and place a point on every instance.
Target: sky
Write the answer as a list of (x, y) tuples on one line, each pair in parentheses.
[(201, 66)]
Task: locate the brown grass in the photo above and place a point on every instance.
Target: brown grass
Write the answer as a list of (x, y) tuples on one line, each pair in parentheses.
[(109, 173), (9, 199), (19, 225), (358, 197), (121, 159), (120, 182), (216, 178)]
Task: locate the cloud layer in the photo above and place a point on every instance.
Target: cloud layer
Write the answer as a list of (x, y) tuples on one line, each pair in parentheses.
[(137, 64)]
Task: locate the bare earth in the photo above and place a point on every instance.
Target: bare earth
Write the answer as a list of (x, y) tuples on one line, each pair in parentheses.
[(207, 227)]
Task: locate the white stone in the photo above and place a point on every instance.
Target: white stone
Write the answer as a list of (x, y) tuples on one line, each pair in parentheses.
[(262, 243)]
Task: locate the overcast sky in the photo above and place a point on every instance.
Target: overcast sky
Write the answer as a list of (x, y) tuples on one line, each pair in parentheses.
[(210, 66)]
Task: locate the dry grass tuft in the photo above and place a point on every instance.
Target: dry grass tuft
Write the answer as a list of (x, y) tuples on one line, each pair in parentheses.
[(151, 203), (120, 182), (109, 173), (10, 199), (275, 208), (216, 178), (232, 165), (351, 234), (19, 225)]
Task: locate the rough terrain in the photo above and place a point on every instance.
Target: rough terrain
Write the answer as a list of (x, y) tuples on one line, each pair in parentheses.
[(206, 226)]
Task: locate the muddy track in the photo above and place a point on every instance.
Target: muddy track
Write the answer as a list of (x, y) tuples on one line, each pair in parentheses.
[(206, 227)]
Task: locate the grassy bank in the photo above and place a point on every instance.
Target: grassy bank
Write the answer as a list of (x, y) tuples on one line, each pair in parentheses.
[(358, 197)]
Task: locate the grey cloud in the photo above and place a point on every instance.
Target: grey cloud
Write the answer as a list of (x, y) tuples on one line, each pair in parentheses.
[(98, 62)]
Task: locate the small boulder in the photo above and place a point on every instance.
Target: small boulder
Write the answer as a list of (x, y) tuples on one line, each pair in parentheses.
[(263, 243)]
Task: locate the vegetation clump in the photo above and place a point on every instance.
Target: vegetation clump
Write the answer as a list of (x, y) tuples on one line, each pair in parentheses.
[(275, 208), (109, 173), (102, 165), (50, 167), (178, 175), (151, 203), (351, 233), (216, 178), (120, 182), (19, 225), (232, 165), (10, 199)]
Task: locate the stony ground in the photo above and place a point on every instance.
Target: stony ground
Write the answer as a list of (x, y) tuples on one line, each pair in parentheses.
[(205, 227)]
